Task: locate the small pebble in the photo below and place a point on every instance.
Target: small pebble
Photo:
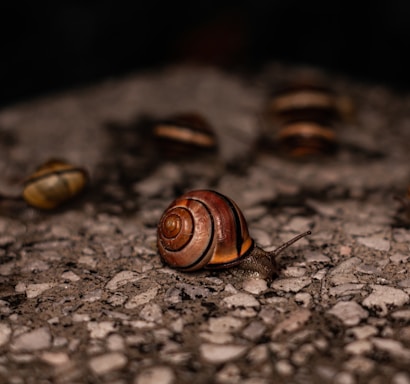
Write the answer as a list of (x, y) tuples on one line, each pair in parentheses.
[(304, 299), (71, 276), (359, 347), (376, 242), (217, 354), (34, 290), (360, 365), (5, 332), (403, 315), (302, 354), (152, 313), (399, 258), (293, 271), (384, 297), (284, 368), (344, 378), (142, 298), (225, 324), (241, 300), (363, 332), (254, 330), (258, 354), (55, 358), (100, 330), (349, 312), (6, 240), (112, 361), (392, 347), (293, 284), (294, 321), (401, 378), (156, 375), (404, 283), (316, 257), (115, 342), (345, 289), (35, 340), (217, 337), (255, 286), (229, 374)]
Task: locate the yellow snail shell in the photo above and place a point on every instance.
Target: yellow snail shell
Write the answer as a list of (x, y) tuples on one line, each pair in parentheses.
[(53, 183)]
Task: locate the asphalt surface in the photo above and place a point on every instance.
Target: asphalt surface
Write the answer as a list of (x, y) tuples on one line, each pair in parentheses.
[(85, 298)]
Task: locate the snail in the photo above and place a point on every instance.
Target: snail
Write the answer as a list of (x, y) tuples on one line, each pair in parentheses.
[(305, 138), (53, 183), (304, 114), (206, 229), (309, 99), (184, 133)]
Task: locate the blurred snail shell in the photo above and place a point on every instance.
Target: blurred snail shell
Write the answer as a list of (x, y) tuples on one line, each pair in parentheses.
[(185, 133), (308, 100), (205, 229), (53, 183), (304, 114), (305, 138)]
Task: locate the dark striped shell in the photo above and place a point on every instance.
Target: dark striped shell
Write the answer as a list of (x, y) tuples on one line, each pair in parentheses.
[(305, 138), (203, 229), (304, 115), (185, 134), (53, 183)]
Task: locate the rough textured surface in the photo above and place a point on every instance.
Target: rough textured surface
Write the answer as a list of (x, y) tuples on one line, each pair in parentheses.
[(84, 296)]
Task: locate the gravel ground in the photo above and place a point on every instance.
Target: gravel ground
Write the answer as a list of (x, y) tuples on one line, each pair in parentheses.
[(84, 297)]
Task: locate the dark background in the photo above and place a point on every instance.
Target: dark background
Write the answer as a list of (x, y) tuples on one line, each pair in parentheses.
[(65, 44)]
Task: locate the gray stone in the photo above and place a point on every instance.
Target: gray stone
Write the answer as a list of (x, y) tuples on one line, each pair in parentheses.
[(294, 321), (5, 332), (142, 298), (293, 284), (156, 374), (34, 340), (384, 297), (217, 354), (225, 324), (349, 312), (109, 362), (241, 300), (376, 242)]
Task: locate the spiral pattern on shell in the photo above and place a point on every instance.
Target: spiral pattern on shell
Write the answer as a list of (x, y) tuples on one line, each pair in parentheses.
[(203, 229)]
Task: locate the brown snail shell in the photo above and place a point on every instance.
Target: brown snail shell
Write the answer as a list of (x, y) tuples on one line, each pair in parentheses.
[(53, 183), (206, 229), (183, 134), (304, 115), (306, 138)]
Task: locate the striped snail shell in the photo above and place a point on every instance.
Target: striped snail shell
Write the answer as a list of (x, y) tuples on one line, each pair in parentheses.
[(205, 229), (185, 133), (306, 138), (309, 99), (304, 114), (53, 183)]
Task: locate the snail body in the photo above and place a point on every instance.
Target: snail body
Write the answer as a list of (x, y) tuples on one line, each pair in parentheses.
[(53, 183), (184, 133), (206, 229)]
